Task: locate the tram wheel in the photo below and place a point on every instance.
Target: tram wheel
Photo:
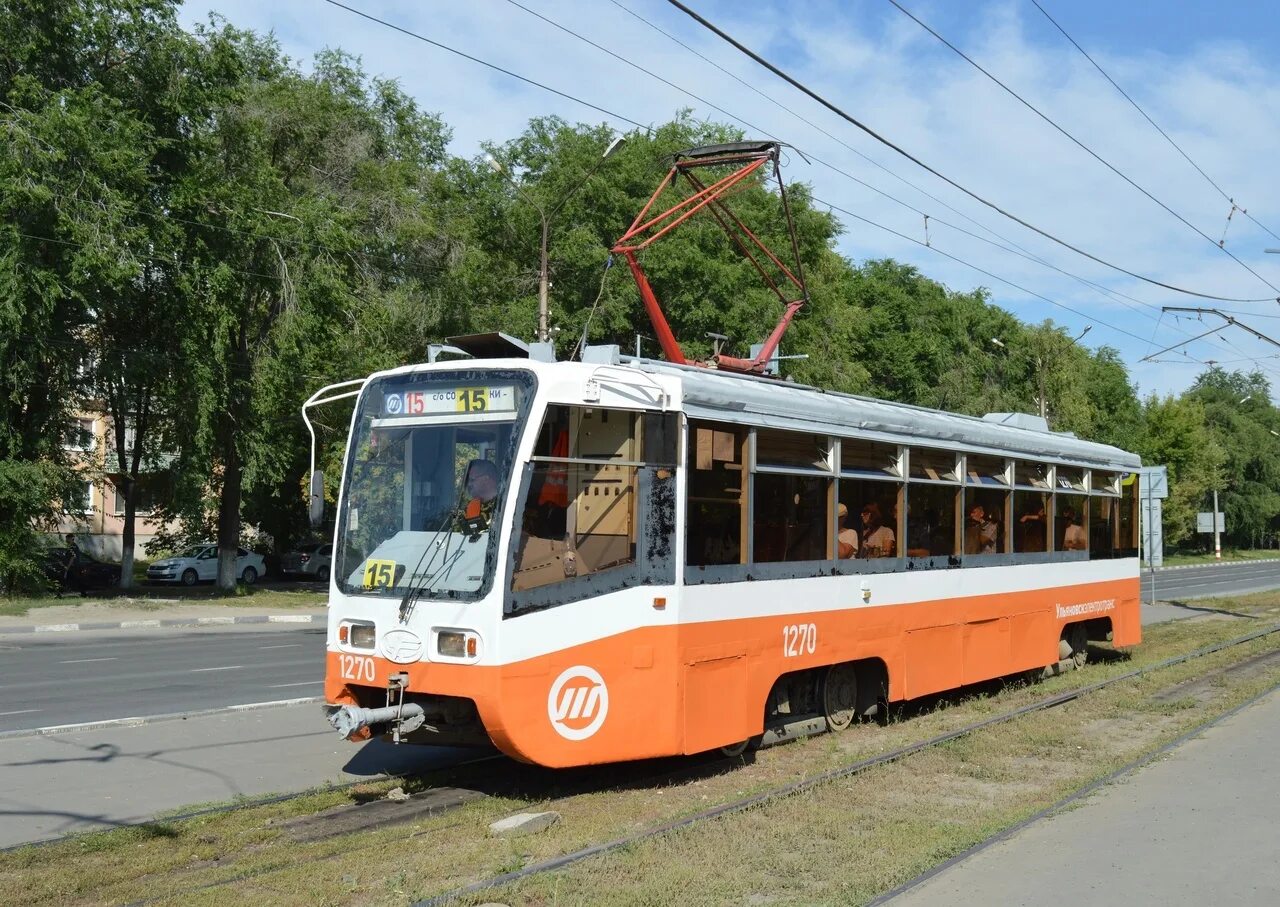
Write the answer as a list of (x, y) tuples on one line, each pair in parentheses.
[(734, 750), (840, 696), (1078, 639)]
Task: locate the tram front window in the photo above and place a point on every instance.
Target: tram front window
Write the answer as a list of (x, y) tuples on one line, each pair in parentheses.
[(429, 466)]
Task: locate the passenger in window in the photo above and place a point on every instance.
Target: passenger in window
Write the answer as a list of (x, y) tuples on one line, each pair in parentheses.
[(846, 536), (878, 539), (1033, 525), (1073, 537), (980, 533)]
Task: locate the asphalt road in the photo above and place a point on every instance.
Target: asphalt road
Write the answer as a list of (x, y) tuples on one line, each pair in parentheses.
[(1212, 580), (70, 678)]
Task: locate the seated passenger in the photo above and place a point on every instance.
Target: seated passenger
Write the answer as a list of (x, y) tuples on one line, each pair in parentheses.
[(980, 533), (878, 539), (1073, 537), (846, 536)]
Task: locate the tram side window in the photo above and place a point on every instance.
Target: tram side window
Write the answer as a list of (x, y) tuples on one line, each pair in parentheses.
[(580, 517), (789, 511), (872, 510), (717, 494), (1104, 515), (931, 519), (986, 505), (1127, 531), (1033, 515), (1032, 507)]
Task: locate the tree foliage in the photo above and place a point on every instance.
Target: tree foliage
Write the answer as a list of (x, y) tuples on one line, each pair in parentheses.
[(218, 233)]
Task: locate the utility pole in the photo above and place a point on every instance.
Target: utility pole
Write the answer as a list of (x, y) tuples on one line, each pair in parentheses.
[(544, 275), (1217, 535)]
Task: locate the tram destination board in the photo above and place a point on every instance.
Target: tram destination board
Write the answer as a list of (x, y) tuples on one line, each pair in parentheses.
[(449, 401)]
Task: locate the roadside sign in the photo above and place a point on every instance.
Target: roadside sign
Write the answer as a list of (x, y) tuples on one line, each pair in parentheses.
[(1204, 521)]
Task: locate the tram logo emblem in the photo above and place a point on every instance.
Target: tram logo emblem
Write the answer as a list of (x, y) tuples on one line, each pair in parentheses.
[(394, 404), (578, 702)]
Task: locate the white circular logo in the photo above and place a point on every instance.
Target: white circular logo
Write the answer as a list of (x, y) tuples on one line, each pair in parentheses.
[(394, 404), (402, 646), (578, 702)]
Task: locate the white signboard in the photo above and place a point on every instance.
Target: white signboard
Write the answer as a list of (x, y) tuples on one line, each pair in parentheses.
[(1204, 522)]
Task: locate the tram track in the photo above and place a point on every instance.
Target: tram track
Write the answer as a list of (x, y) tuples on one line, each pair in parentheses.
[(525, 786), (863, 765)]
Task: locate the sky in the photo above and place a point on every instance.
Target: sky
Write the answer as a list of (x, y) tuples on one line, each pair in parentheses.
[(1205, 72)]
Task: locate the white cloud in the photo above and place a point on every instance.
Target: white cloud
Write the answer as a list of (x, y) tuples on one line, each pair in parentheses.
[(1219, 101)]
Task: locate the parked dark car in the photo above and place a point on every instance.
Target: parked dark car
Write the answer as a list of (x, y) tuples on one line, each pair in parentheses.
[(72, 571)]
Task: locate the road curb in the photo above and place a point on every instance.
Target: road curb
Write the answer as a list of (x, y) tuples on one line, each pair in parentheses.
[(1266, 560), (153, 719), (137, 624)]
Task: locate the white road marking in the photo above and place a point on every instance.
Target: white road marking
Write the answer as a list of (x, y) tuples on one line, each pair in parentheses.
[(223, 668), (292, 645), (81, 661), (19, 712), (289, 619), (305, 683)]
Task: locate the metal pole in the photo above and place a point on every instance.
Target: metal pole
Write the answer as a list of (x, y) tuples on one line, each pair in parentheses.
[(543, 333), (1217, 537), (1151, 533)]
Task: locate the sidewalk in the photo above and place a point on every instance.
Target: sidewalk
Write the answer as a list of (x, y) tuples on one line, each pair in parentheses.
[(1197, 827), (132, 614)]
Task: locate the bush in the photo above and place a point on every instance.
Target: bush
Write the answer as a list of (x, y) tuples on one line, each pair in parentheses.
[(26, 490)]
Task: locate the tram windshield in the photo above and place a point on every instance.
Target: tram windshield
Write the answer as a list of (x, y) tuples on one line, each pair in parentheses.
[(429, 466)]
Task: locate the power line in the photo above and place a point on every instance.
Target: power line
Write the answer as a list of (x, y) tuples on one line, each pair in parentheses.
[(1099, 158), (800, 86), (1016, 250), (835, 169), (1148, 118), (496, 68)]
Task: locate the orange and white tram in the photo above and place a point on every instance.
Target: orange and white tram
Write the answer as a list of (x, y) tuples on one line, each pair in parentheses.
[(613, 559)]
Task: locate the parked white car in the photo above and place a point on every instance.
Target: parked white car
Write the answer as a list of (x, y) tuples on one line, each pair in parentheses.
[(310, 561), (200, 564)]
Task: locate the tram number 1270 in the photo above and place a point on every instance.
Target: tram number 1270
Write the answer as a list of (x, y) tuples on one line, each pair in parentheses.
[(799, 639)]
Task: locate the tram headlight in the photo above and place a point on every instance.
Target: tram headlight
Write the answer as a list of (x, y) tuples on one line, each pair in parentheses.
[(357, 634), (457, 644)]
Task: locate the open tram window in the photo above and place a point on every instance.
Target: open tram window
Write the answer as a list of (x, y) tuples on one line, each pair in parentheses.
[(581, 510), (717, 494)]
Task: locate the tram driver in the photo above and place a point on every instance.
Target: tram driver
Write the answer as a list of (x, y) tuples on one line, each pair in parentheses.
[(482, 493)]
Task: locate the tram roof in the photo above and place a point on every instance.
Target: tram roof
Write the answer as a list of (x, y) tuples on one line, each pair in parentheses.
[(767, 402), (770, 403)]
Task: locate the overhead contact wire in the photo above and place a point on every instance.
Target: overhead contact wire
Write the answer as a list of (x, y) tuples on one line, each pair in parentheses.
[(1097, 157), (838, 111), (1136, 106)]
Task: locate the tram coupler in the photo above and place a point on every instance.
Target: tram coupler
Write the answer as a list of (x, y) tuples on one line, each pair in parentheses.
[(351, 719)]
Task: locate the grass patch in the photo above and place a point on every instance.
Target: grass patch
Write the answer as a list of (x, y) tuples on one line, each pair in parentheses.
[(1233, 554), (159, 598), (842, 842)]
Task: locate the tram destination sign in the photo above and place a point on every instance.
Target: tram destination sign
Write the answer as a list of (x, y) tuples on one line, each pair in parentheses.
[(441, 401)]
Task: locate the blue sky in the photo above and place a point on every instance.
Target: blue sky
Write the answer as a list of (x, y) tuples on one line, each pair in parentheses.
[(1206, 72)]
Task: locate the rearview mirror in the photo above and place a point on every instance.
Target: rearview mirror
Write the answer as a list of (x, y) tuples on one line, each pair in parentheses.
[(317, 498)]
